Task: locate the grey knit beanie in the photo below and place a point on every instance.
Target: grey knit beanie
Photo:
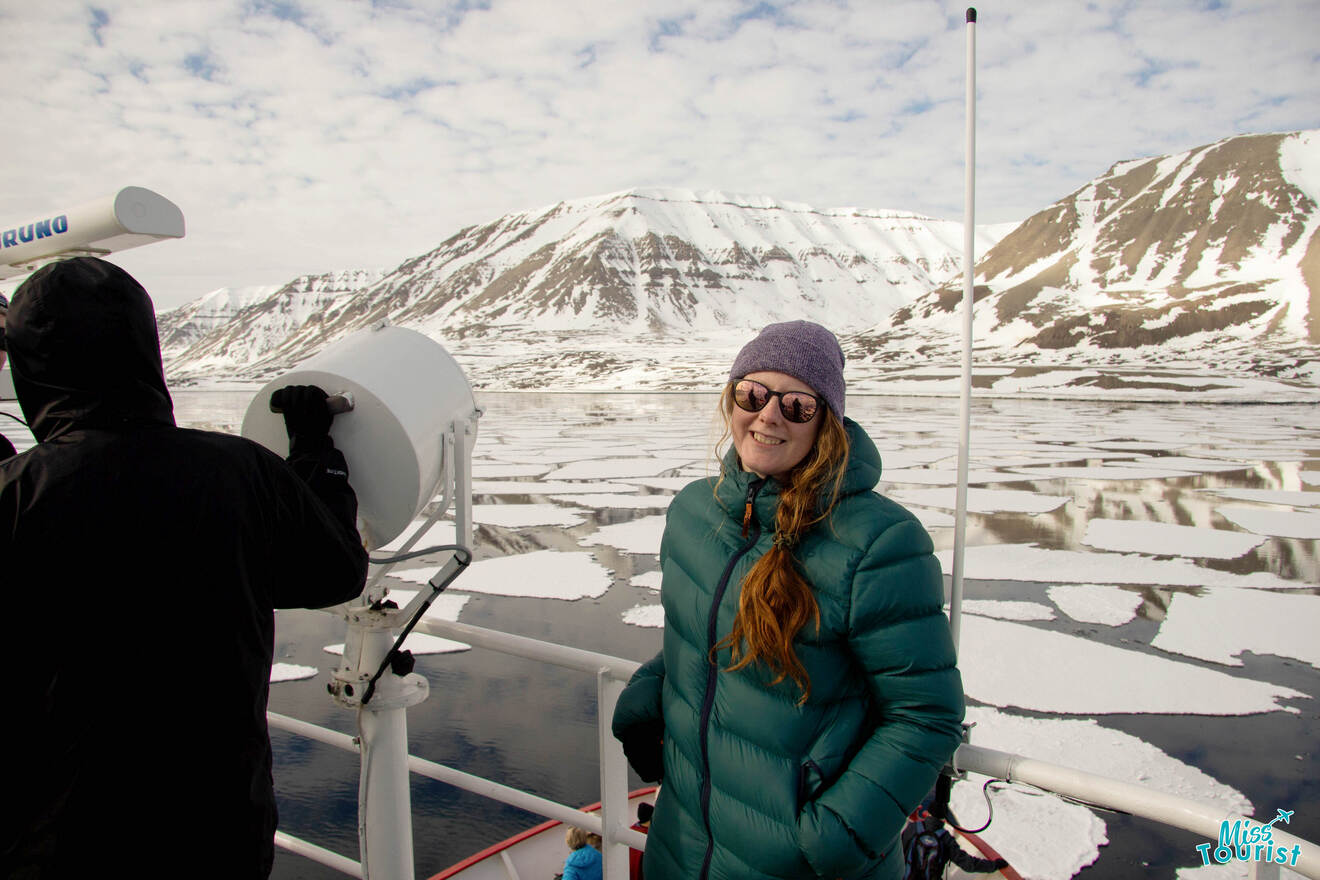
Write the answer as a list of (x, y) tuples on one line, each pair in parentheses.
[(800, 349)]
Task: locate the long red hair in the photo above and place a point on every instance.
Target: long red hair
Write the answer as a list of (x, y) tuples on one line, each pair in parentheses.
[(776, 600)]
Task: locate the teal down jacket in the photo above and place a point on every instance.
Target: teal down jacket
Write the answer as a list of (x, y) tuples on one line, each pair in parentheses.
[(754, 784)]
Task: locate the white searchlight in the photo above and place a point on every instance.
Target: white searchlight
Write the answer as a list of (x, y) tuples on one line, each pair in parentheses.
[(131, 217), (409, 433)]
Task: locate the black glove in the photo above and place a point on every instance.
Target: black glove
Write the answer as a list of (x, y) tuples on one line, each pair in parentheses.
[(307, 416), (643, 746)]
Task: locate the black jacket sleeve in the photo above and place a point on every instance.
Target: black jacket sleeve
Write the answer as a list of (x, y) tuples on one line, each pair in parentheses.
[(319, 553)]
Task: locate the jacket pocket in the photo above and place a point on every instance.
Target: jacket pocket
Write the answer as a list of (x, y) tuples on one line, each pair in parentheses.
[(811, 782)]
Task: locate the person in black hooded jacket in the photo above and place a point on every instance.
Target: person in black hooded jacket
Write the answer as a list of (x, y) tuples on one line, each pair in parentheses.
[(141, 563), (6, 448)]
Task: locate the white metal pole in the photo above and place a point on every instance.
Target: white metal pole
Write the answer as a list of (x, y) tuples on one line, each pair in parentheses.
[(384, 798), (613, 779), (965, 408)]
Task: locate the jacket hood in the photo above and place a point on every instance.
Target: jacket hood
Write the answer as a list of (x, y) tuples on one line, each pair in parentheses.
[(84, 351), (860, 474)]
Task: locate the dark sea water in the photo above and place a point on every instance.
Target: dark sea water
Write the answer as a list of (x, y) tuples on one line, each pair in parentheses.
[(534, 727)]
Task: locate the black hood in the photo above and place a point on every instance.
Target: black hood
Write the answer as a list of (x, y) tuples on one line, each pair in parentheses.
[(83, 350)]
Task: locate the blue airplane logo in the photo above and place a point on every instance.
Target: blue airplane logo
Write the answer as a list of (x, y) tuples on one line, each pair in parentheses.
[(1284, 815)]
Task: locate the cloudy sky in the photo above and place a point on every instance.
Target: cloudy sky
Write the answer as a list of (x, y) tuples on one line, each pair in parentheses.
[(308, 136)]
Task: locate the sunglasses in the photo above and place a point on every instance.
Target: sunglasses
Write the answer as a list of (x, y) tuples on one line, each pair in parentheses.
[(796, 406)]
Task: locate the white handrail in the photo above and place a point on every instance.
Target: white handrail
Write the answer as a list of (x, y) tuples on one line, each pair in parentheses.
[(611, 672), (1115, 794)]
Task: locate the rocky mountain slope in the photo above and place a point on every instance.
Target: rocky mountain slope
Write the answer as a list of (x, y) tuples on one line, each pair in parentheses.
[(584, 287), (1204, 262), (1208, 258)]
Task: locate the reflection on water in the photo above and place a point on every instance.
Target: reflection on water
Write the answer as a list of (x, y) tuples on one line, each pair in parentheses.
[(534, 727)]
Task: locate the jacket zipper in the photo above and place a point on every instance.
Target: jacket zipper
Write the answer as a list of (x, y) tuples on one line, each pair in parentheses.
[(712, 671)]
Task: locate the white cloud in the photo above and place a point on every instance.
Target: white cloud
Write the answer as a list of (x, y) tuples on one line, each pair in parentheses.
[(302, 138)]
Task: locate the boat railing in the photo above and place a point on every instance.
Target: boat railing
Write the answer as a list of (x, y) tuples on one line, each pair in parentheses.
[(613, 821)]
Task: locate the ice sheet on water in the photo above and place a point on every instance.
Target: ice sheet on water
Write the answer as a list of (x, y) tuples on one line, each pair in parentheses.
[(1029, 562), (615, 468), (946, 476), (1013, 664), (1100, 472), (1278, 523), (1250, 453), (291, 672), (1045, 836), (1310, 478), (1220, 624), (517, 516), (502, 470), (541, 574), (1166, 539), (1096, 603), (1271, 496), (649, 579), (617, 501), (670, 484), (537, 487), (635, 536), (932, 519), (645, 615), (983, 500), (1007, 609)]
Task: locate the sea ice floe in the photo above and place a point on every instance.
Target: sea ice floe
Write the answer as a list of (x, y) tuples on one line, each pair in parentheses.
[(1007, 609), (1045, 836), (440, 533), (517, 516), (649, 579), (615, 468), (1100, 472), (1028, 562), (1310, 478), (1096, 603), (541, 574), (645, 615), (617, 501), (1198, 465), (502, 470), (932, 519), (1278, 523), (1165, 539), (668, 484), (1013, 664), (1221, 624), (635, 536), (538, 487), (291, 672), (1271, 496), (1250, 453), (983, 500), (945, 476)]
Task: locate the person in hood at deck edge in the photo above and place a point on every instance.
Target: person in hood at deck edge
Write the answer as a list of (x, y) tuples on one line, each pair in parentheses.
[(6, 448), (807, 694), (142, 563)]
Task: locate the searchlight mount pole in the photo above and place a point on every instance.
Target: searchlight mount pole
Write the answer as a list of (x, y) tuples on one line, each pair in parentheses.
[(969, 296)]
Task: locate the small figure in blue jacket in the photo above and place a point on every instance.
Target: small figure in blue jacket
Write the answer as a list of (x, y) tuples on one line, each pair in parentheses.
[(584, 862), (807, 692)]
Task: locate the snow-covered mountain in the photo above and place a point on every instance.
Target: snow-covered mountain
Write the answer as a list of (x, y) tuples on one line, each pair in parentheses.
[(232, 326), (593, 283), (1207, 258), (1205, 261)]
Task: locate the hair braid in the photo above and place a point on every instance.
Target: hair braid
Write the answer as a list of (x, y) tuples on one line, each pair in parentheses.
[(776, 601)]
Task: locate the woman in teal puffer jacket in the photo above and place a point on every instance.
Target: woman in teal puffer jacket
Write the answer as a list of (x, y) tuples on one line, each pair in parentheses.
[(806, 695)]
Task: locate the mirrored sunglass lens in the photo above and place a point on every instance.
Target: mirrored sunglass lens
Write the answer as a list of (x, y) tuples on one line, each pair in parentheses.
[(798, 407), (750, 396)]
